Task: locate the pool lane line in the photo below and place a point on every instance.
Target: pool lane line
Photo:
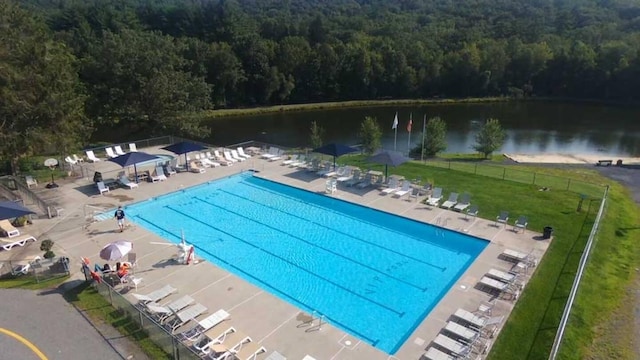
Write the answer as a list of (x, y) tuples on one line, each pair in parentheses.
[(399, 313), (25, 342), (340, 232), (415, 238), (423, 289)]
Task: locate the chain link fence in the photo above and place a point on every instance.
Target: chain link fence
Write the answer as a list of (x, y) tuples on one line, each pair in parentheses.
[(36, 268)]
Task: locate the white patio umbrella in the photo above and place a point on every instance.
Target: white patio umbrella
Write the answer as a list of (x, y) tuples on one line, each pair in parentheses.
[(116, 250)]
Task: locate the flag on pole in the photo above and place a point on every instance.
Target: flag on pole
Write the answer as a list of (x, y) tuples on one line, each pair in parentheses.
[(424, 135), (410, 122), (395, 127)]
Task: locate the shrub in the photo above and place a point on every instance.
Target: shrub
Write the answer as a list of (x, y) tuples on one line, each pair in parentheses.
[(46, 245), (49, 254)]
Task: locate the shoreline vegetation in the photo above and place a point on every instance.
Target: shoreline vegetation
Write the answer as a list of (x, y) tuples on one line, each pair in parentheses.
[(208, 115)]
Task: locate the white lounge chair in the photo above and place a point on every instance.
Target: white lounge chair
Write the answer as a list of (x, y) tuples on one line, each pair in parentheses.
[(355, 179), (155, 295), (494, 284), (184, 316), (202, 344), (124, 181), (464, 203), (158, 175), (451, 201), (514, 255), (23, 267), (454, 347), (228, 157), (118, 150), (461, 332), (435, 197), (277, 155), (393, 187), (346, 176), (91, 156), (133, 147), (162, 312), (272, 152), (102, 187), (368, 181), (235, 155), (224, 344), (503, 276), (435, 354), (70, 161), (194, 168), (248, 350), (406, 188), (520, 224), (291, 160), (469, 318), (169, 170), (242, 153), (195, 333), (208, 162), (110, 153), (30, 181), (220, 159), (20, 240), (503, 218)]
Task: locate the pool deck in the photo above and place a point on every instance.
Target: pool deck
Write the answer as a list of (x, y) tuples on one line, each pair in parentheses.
[(274, 323)]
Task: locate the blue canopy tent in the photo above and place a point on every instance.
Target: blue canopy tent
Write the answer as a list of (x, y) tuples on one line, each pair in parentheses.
[(184, 147), (10, 210), (386, 158), (335, 150), (133, 158)]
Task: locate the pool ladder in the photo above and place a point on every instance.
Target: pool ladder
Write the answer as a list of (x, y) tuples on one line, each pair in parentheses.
[(315, 316)]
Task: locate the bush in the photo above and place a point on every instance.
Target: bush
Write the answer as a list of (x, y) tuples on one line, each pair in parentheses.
[(46, 245), (21, 221), (49, 255)]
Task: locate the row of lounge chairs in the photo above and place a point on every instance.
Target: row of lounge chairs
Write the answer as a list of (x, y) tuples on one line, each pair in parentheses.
[(465, 335), (212, 337), (111, 152)]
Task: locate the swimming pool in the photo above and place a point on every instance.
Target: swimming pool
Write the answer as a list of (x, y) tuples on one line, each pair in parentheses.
[(373, 274)]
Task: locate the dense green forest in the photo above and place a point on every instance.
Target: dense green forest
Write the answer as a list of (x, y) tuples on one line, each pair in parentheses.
[(143, 63)]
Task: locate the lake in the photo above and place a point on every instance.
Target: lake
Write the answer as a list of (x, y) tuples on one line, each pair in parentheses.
[(531, 127)]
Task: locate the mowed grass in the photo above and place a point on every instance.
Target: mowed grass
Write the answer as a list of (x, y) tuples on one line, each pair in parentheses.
[(529, 332), (29, 282), (89, 301)]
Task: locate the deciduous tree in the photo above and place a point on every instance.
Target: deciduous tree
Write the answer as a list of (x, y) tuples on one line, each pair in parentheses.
[(370, 135), (490, 138)]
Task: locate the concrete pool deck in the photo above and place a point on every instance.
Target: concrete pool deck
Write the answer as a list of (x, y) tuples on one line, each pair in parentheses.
[(274, 323)]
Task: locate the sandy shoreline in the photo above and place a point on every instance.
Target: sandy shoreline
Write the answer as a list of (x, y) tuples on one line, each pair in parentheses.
[(570, 158)]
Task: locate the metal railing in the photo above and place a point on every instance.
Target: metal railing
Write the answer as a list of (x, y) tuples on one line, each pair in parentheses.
[(557, 342), (28, 196)]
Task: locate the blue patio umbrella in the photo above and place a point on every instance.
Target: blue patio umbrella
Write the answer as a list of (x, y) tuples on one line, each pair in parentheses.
[(133, 158), (184, 147), (10, 210), (388, 157), (335, 150)]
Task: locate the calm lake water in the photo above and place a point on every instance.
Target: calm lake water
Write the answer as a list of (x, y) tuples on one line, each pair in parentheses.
[(532, 127)]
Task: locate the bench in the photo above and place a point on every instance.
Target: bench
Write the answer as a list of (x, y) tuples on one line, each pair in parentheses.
[(604, 162)]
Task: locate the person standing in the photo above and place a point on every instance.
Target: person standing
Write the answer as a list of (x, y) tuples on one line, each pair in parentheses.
[(119, 215)]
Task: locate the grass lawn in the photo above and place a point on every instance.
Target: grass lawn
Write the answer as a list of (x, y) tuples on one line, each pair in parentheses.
[(530, 331), (30, 283)]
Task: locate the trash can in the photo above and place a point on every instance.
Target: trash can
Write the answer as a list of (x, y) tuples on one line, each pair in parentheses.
[(547, 232), (97, 177), (619, 162)]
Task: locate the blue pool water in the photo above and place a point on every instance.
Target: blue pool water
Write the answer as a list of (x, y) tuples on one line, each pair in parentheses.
[(373, 274)]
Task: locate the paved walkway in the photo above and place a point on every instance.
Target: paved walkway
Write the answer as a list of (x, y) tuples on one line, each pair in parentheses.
[(275, 324)]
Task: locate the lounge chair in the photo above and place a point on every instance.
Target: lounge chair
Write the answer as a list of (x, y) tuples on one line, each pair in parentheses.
[(194, 168), (452, 346), (406, 188), (155, 295), (514, 255), (184, 316), (224, 344), (494, 284), (521, 223), (102, 187), (464, 203), (355, 179), (425, 189), (460, 332), (77, 158), (208, 162), (277, 155), (91, 156), (346, 176), (209, 336), (472, 211), (451, 201), (195, 333), (333, 172), (242, 153), (8, 229), (220, 159), (110, 153), (169, 170), (435, 354), (20, 240), (70, 161), (272, 152), (415, 193), (162, 312), (290, 160), (124, 181), (435, 197), (368, 181), (158, 175), (235, 155), (393, 187), (248, 350), (325, 169), (133, 147), (468, 318), (228, 157), (23, 267), (30, 181), (503, 276), (118, 150), (502, 218)]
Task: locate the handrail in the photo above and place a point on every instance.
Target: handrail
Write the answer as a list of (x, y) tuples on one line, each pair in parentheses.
[(576, 281), (30, 195)]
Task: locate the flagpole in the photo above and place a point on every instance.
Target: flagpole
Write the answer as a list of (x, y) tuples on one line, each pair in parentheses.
[(409, 128), (395, 127), (424, 133)]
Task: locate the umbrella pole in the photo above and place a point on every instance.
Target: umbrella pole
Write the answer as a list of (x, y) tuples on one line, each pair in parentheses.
[(386, 172), (135, 172), (186, 163)]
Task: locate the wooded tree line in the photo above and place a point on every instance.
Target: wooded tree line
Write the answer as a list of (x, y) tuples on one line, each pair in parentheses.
[(141, 64)]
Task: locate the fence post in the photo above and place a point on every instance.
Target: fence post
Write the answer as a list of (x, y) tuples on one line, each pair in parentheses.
[(534, 178), (475, 170), (568, 183), (110, 295), (449, 164)]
